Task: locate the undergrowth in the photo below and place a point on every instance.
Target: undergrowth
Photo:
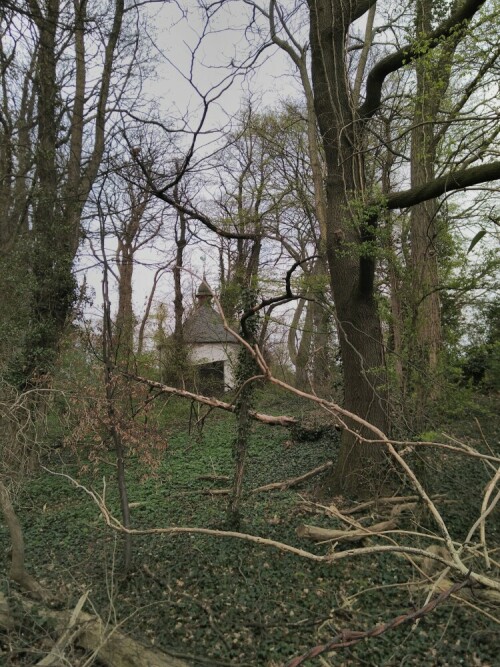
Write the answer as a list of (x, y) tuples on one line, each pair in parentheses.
[(222, 601)]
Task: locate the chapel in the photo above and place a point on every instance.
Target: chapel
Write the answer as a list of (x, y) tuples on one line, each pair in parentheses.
[(212, 349)]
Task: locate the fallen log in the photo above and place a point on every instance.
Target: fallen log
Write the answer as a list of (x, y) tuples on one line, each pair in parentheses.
[(318, 534), (112, 647)]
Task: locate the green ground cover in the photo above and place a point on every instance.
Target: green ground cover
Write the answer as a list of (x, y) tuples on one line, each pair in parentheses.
[(230, 602)]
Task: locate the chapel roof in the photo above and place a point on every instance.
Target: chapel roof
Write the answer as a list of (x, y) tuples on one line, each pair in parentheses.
[(204, 325)]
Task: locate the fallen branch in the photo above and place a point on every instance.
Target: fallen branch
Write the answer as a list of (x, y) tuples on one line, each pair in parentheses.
[(350, 637), (294, 481), (73, 629), (484, 513), (215, 492), (214, 478), (273, 486), (318, 534), (474, 594), (385, 501), (271, 420)]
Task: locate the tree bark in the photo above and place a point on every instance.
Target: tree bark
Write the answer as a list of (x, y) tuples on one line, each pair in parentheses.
[(357, 471), (302, 358), (425, 336)]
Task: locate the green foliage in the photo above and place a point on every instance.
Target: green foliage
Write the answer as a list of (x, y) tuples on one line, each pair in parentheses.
[(175, 367), (481, 362), (226, 600)]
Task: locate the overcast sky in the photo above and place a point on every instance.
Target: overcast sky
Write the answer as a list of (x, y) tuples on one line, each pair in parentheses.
[(174, 37)]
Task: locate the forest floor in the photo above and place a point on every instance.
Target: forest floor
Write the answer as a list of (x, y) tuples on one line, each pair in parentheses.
[(220, 601)]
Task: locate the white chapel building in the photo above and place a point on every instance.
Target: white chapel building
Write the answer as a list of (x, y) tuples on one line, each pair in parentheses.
[(212, 349)]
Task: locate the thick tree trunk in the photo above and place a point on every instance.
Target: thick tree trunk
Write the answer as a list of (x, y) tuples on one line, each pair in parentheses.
[(322, 325), (351, 267), (397, 329), (360, 468)]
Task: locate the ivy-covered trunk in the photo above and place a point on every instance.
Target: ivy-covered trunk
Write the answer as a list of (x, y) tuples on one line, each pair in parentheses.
[(52, 258), (246, 369), (63, 173)]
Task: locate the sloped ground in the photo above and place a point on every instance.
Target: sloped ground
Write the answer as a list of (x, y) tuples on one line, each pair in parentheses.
[(221, 601)]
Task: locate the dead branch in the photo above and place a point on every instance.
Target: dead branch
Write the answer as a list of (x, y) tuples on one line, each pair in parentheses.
[(216, 492), (318, 534), (350, 637), (273, 486), (271, 420), (485, 510), (477, 594), (384, 501), (214, 478), (294, 481), (56, 655)]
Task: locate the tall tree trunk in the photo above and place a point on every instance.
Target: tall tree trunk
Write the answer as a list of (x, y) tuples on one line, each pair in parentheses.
[(54, 285), (321, 359), (357, 471), (304, 349), (110, 387), (62, 180), (180, 242), (425, 336), (397, 327), (247, 368), (125, 321)]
